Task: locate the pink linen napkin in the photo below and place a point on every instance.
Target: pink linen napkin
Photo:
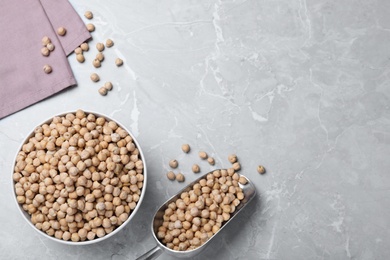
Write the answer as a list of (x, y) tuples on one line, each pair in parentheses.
[(23, 24)]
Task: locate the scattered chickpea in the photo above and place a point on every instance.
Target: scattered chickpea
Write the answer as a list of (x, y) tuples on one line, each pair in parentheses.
[(103, 91), (173, 164), (100, 56), (47, 69), (171, 175), (108, 85), (50, 46), (118, 62), (80, 58), (96, 63), (90, 27), (109, 43), (45, 51), (78, 50), (195, 168), (95, 77), (211, 161), (84, 46), (45, 40), (100, 46), (261, 169), (186, 148), (203, 155), (88, 15), (232, 158), (180, 177), (61, 31)]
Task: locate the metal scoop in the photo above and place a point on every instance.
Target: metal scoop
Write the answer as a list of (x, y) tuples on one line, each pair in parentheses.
[(249, 191)]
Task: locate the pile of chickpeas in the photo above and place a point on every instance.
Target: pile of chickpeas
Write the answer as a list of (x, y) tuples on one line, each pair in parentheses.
[(200, 212), (79, 176)]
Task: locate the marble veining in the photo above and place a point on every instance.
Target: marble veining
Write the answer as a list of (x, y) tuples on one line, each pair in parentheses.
[(301, 87)]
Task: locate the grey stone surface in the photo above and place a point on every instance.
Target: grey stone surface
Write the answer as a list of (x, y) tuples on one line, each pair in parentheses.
[(301, 87)]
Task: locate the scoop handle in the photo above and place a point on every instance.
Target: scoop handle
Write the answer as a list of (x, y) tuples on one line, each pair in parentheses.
[(151, 254)]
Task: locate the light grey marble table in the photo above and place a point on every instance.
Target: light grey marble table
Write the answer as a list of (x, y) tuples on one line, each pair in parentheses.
[(299, 86)]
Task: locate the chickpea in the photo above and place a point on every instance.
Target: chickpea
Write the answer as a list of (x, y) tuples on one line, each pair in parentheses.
[(203, 155), (78, 50), (161, 234), (194, 211), (21, 199), (230, 171), (39, 198), (112, 125), (243, 180), (47, 69), (119, 210), (106, 223), (195, 241), (58, 234), (45, 40), (232, 158), (84, 46), (50, 46), (61, 31), (139, 164), (180, 177), (173, 164), (19, 191), (211, 161), (195, 168), (132, 205), (123, 217), (168, 237), (205, 213), (45, 51), (96, 63), (91, 235), (260, 169), (80, 58), (109, 43), (97, 193), (186, 148), (66, 236), (240, 195), (95, 77), (100, 56), (82, 233), (88, 15), (29, 194), (75, 237), (97, 222), (100, 46), (118, 62)]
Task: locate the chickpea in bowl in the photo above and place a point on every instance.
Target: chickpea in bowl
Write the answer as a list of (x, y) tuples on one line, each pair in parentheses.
[(79, 177)]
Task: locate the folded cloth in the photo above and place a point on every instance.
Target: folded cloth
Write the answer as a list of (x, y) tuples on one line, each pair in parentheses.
[(23, 24)]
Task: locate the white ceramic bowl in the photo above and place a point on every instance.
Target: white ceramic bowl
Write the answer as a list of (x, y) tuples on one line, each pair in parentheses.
[(26, 216)]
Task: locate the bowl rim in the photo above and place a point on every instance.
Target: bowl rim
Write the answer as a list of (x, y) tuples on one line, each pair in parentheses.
[(26, 216)]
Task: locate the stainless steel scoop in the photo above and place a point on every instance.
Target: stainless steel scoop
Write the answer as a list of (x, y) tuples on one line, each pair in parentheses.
[(249, 191)]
